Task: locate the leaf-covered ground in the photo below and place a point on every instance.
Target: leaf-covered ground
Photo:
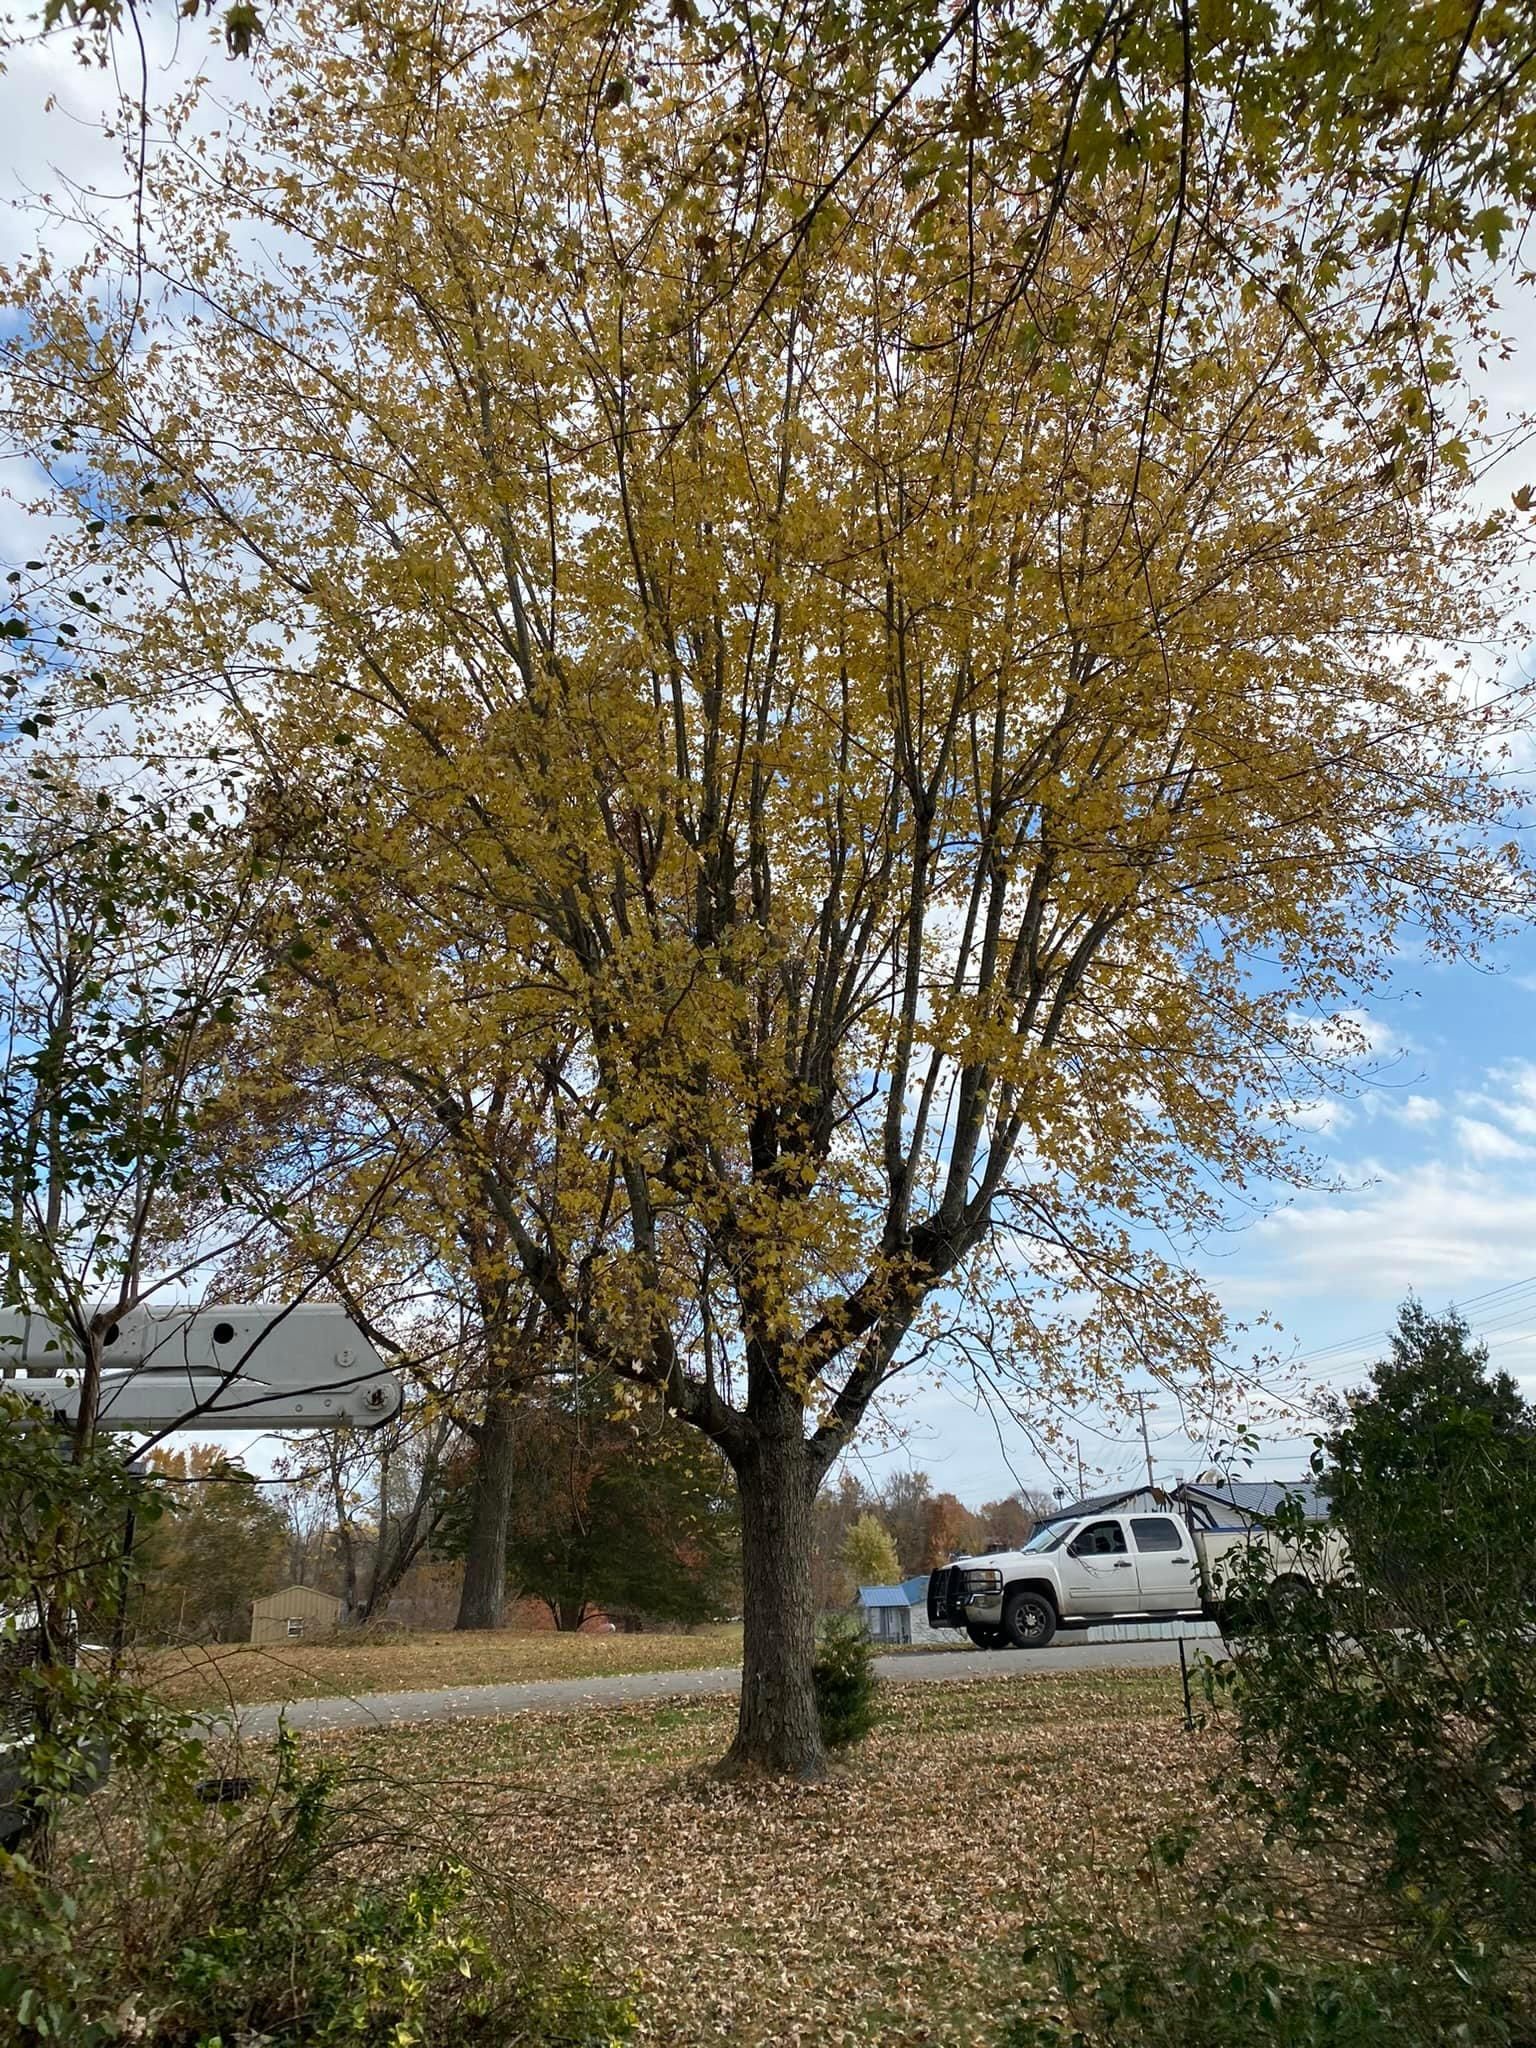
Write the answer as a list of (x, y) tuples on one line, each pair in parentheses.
[(888, 1905), (242, 1674)]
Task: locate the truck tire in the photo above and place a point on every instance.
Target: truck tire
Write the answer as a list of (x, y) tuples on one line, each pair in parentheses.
[(986, 1638), (1285, 1595), (1029, 1619)]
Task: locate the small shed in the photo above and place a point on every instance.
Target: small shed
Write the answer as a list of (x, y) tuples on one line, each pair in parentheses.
[(291, 1612), (897, 1614)]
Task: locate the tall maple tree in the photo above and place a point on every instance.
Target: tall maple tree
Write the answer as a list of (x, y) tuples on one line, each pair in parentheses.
[(920, 690)]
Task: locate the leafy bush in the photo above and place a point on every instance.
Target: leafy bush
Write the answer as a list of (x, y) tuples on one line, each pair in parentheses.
[(1394, 1704), (1384, 1713), (1235, 1973), (176, 1924), (846, 1687)]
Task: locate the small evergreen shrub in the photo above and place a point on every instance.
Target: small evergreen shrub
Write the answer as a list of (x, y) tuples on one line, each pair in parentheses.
[(846, 1686)]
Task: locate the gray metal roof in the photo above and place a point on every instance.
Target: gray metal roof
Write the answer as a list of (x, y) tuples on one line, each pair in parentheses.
[(1106, 1503), (1259, 1496), (1246, 1496)]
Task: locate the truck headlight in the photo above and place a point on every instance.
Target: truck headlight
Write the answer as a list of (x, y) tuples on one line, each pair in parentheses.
[(989, 1581)]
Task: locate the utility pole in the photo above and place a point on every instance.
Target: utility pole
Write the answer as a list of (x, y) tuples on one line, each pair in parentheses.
[(1146, 1442), (1082, 1488)]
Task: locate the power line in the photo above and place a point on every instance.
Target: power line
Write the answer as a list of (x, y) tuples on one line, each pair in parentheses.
[(1373, 1337)]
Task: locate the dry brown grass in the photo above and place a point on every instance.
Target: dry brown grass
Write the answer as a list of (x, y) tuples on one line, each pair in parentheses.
[(888, 1905), (243, 1674)]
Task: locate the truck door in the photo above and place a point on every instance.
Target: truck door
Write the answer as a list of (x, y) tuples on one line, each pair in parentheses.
[(1099, 1572), (1166, 1570)]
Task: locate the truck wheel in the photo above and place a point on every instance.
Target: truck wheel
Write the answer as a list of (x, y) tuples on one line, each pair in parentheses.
[(1029, 1619), (985, 1638), (1286, 1595)]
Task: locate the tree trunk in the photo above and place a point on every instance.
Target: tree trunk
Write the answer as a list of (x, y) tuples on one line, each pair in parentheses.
[(778, 1731), (490, 1519)]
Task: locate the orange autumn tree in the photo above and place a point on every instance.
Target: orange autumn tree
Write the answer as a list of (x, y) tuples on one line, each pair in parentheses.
[(925, 756)]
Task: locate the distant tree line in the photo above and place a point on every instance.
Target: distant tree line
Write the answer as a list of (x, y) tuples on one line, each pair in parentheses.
[(614, 1512), (924, 1528)]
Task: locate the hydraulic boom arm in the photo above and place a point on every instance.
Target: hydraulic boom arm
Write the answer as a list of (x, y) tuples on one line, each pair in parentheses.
[(254, 1365)]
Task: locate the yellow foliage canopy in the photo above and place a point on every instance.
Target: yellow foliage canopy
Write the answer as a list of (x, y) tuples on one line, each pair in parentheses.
[(897, 766)]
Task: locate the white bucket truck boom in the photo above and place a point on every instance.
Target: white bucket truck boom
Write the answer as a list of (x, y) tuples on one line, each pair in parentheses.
[(244, 1366)]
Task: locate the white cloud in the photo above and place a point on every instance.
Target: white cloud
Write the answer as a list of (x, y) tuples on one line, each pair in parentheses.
[(1353, 1034), (1510, 1097), (1486, 1141), (1415, 1110), (1433, 1228)]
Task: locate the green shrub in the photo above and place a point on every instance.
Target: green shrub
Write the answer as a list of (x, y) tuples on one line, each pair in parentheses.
[(846, 1686), (1233, 1972), (1383, 1717), (181, 1925), (1393, 1706), (138, 1909)]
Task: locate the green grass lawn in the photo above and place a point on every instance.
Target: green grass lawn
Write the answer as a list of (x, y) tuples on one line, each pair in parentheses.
[(889, 1904), (242, 1674)]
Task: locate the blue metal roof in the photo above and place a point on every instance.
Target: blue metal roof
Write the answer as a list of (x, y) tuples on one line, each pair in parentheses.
[(884, 1596)]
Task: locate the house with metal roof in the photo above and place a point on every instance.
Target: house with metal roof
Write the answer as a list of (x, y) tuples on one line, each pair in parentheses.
[(899, 1614), (1213, 1503)]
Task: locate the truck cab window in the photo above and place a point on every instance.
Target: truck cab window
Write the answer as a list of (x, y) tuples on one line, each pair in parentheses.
[(1157, 1532), (1100, 1539)]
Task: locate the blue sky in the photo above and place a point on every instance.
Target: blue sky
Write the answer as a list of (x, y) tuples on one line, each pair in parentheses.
[(1435, 1155), (1435, 1160)]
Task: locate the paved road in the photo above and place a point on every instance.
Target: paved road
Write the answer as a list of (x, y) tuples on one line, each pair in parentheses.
[(555, 1695)]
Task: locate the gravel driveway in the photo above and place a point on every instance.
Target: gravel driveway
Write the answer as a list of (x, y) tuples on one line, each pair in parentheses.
[(556, 1695)]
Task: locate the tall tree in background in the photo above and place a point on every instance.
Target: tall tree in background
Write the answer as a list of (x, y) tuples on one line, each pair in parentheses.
[(840, 1503), (617, 1510), (1424, 1466), (386, 1491), (354, 1128), (1011, 1521), (905, 1501), (201, 1566), (869, 1555), (873, 658)]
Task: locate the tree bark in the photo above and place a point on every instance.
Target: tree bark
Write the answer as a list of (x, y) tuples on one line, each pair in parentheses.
[(490, 1518), (778, 1730)]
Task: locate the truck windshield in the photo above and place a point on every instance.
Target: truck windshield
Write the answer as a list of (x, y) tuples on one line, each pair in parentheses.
[(1048, 1535)]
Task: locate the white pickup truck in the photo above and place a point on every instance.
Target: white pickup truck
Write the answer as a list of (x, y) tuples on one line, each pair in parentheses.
[(1104, 1565)]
